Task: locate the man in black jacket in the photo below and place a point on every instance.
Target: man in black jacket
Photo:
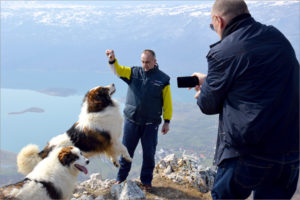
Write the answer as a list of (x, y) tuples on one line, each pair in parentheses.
[(253, 84)]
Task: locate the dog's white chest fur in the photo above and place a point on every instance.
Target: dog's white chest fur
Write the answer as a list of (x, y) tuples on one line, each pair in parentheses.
[(109, 120)]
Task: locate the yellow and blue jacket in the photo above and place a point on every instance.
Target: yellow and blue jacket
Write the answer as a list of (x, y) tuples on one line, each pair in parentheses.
[(148, 94)]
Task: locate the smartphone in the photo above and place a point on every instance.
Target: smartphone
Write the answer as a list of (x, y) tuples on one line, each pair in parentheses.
[(187, 81)]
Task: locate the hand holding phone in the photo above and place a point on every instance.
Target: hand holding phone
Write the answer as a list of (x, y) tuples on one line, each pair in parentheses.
[(187, 81), (195, 81)]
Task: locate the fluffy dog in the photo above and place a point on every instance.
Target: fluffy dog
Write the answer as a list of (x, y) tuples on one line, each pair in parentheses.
[(97, 131), (53, 178)]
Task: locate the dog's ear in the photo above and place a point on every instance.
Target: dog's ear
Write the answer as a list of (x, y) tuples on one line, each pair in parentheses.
[(66, 157), (94, 101), (98, 99), (45, 152), (94, 96)]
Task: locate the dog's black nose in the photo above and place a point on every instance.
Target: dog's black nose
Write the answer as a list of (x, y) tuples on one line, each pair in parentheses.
[(87, 162)]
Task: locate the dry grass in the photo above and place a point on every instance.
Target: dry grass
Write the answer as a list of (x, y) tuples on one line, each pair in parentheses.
[(105, 193), (166, 189)]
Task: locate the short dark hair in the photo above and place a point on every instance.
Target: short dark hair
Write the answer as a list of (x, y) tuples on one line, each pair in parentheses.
[(230, 8), (150, 51)]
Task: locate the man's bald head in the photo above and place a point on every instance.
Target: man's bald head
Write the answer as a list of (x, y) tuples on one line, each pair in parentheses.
[(229, 9)]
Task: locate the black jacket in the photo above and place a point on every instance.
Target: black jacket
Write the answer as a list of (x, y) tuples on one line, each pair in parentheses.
[(253, 83)]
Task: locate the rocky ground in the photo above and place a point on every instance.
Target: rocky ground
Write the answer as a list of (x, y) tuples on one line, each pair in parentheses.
[(174, 178)]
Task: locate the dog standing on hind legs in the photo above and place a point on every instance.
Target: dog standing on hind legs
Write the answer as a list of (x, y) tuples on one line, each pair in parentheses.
[(97, 131)]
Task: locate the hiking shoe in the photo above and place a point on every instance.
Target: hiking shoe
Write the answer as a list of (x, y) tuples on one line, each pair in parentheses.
[(146, 187), (118, 182)]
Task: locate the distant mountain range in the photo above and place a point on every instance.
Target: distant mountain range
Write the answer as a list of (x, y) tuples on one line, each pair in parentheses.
[(62, 44)]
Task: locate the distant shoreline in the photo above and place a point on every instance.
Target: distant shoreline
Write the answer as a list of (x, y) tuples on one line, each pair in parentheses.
[(32, 109)]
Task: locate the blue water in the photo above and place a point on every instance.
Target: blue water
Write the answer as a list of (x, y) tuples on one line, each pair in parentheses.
[(20, 129)]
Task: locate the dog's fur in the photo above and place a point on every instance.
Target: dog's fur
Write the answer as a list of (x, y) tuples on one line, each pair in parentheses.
[(52, 178), (97, 131)]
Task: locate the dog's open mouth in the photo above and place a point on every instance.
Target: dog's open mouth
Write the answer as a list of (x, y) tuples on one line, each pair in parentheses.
[(81, 168), (112, 89), (112, 92)]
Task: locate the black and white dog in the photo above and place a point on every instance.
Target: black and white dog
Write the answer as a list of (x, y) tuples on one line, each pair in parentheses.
[(52, 178), (97, 131)]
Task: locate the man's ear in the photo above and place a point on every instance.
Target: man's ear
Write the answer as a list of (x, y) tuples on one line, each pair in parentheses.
[(222, 23)]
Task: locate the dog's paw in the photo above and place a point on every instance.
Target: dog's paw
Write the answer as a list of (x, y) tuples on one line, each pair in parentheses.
[(116, 164), (128, 159)]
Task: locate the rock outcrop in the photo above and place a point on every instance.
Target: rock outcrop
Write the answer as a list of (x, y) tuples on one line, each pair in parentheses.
[(185, 171), (96, 189), (93, 189), (128, 190)]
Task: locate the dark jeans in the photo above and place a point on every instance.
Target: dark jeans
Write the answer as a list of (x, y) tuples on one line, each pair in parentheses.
[(269, 177), (148, 135)]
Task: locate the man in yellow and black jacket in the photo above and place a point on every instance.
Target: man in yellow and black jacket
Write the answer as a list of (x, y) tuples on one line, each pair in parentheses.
[(148, 97)]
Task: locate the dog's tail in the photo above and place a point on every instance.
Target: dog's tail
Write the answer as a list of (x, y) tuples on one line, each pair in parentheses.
[(28, 158)]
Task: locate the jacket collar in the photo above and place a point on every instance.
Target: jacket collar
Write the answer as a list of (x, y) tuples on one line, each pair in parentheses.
[(235, 24), (154, 69), (232, 26)]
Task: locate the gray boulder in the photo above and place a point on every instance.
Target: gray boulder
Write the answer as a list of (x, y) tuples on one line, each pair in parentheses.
[(127, 191)]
